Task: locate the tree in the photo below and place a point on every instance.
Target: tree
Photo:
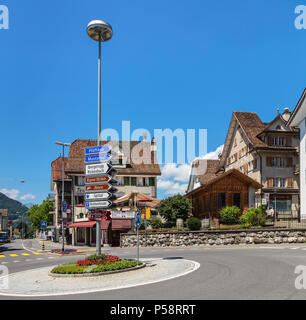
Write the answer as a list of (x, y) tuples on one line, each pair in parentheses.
[(176, 207), (38, 213)]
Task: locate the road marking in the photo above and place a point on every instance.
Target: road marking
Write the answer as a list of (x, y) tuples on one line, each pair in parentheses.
[(2, 256), (5, 262), (25, 254), (36, 253), (29, 259), (295, 248), (39, 258), (15, 261), (14, 255), (51, 257)]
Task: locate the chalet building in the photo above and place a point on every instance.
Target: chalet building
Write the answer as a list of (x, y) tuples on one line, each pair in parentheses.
[(267, 153), (133, 176), (212, 190), (298, 120)]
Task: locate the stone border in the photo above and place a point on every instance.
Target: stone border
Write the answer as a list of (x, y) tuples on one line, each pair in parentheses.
[(93, 274)]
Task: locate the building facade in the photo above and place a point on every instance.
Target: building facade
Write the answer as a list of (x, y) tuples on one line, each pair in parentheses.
[(4, 227), (298, 120), (268, 153), (212, 190), (137, 171)]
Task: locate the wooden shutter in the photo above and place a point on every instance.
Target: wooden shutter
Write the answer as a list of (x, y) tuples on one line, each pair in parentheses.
[(269, 161), (269, 182), (288, 142), (289, 162), (254, 164), (289, 182), (245, 168)]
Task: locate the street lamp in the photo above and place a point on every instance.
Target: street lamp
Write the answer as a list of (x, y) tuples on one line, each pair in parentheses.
[(63, 182), (100, 31)]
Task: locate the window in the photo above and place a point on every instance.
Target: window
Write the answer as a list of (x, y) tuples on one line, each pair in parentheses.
[(282, 182), (151, 181), (282, 162), (275, 182), (127, 181), (237, 200), (80, 181), (221, 200), (133, 181), (274, 162)]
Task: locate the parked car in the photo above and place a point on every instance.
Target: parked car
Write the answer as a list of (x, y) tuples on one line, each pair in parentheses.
[(4, 238)]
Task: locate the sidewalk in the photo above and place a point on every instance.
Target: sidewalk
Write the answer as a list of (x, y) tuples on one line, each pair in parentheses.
[(49, 245)]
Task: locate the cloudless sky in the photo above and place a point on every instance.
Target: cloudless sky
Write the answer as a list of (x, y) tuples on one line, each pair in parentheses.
[(170, 64)]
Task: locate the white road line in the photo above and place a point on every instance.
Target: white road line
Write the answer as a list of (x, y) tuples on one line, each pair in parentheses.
[(295, 248), (39, 258), (4, 262), (29, 259), (15, 261)]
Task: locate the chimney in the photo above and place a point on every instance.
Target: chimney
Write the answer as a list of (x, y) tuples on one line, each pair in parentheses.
[(153, 150), (286, 114)]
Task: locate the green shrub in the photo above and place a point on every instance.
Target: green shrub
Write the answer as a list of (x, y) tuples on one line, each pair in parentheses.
[(193, 223), (253, 217), (96, 257), (230, 215), (156, 223)]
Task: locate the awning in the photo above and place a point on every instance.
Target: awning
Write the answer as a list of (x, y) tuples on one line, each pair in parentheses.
[(105, 224), (86, 224), (120, 224)]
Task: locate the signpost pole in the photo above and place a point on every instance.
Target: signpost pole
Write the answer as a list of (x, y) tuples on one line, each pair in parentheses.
[(63, 181), (137, 220)]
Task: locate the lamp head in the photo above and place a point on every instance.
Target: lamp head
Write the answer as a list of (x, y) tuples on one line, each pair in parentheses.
[(99, 30)]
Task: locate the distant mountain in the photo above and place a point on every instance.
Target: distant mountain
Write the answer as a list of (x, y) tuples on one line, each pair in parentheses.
[(15, 208), (29, 205)]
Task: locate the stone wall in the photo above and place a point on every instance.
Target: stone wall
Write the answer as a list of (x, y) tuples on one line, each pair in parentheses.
[(216, 237)]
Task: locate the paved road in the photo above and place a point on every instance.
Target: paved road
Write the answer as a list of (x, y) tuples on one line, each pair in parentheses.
[(225, 273)]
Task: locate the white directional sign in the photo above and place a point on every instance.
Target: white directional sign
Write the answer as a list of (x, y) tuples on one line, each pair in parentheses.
[(98, 196), (98, 204), (96, 169)]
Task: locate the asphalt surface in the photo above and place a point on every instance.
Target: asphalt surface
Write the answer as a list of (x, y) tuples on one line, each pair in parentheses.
[(236, 272)]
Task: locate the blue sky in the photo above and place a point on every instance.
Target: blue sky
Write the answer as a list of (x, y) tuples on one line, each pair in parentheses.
[(170, 64)]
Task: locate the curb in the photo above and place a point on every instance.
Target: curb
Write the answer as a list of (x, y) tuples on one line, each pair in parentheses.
[(95, 274)]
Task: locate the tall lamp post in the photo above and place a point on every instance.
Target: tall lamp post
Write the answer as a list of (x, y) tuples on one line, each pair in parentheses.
[(63, 184), (100, 31)]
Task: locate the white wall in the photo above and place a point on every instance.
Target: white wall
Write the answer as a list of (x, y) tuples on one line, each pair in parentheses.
[(302, 127)]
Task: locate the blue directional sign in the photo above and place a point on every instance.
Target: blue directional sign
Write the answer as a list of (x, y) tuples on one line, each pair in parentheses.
[(138, 220), (44, 224), (98, 158), (101, 149), (64, 206)]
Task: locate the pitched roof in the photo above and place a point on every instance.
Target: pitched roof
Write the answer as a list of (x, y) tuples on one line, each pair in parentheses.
[(77, 153), (212, 166), (56, 167), (297, 116), (251, 124), (239, 175)]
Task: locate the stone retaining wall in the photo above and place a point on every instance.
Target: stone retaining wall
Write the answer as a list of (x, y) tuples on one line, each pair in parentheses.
[(215, 237)]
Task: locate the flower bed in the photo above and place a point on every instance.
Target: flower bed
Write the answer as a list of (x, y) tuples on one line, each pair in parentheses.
[(95, 264)]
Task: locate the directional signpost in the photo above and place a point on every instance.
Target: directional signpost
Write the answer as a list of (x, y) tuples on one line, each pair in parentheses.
[(99, 185)]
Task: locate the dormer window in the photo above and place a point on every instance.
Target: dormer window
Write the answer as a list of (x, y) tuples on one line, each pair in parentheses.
[(278, 127)]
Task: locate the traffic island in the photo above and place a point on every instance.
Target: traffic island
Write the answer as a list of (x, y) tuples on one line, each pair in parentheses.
[(95, 265), (38, 283)]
